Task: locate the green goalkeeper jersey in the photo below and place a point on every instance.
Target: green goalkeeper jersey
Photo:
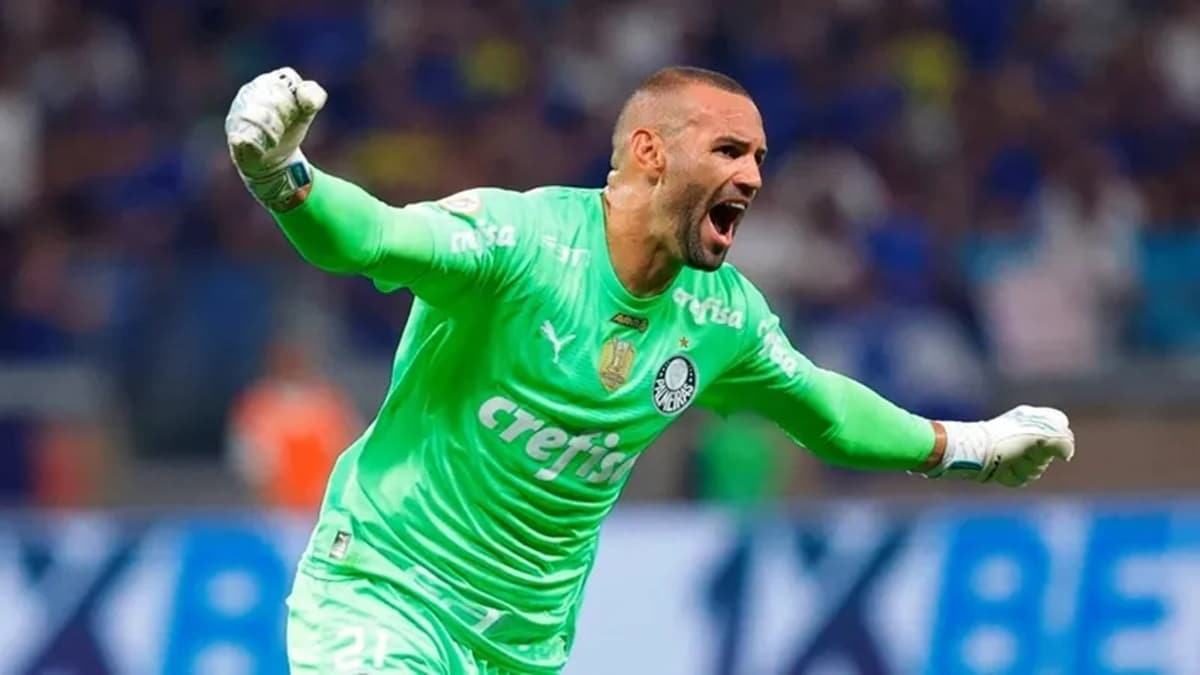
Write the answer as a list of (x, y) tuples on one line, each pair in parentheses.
[(527, 383)]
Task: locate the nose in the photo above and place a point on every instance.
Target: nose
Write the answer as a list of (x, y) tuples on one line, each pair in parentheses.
[(749, 179)]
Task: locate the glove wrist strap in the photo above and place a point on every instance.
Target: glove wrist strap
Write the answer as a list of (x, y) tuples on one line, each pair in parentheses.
[(283, 188), (967, 454)]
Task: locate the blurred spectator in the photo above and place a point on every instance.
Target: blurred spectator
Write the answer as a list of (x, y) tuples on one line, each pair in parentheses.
[(1027, 313), (800, 242), (1167, 318), (18, 449), (287, 429), (797, 260), (73, 463), (51, 462), (85, 59), (19, 127), (1051, 284), (1177, 53)]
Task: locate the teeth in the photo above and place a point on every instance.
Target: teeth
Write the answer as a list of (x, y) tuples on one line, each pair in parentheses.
[(736, 205)]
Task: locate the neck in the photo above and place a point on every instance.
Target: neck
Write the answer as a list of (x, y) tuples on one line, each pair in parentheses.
[(641, 261)]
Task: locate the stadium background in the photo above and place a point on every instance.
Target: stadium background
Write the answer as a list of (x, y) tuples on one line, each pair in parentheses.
[(969, 203)]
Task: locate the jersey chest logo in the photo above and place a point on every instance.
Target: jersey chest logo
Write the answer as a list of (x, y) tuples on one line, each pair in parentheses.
[(616, 362), (638, 323), (674, 385)]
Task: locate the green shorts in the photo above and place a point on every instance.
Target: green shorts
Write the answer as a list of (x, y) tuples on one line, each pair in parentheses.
[(356, 625)]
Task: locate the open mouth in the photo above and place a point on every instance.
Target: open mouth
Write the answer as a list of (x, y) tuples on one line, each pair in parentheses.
[(726, 215)]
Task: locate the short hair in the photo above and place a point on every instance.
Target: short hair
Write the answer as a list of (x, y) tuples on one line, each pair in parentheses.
[(674, 77), (665, 81)]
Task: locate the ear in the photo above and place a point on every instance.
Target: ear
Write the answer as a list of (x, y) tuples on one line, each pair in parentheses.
[(647, 150)]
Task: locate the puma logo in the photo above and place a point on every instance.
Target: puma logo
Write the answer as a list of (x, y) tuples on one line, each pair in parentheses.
[(548, 331)]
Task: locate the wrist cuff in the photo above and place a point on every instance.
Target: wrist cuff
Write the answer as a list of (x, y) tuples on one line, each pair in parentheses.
[(283, 188), (967, 452)]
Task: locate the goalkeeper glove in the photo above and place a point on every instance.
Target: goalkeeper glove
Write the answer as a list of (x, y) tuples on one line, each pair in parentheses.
[(1013, 449), (266, 123)]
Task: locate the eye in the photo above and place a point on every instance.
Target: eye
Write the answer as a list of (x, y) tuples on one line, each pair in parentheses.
[(730, 151)]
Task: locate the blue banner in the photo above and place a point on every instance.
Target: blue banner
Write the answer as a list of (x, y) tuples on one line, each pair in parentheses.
[(1051, 587)]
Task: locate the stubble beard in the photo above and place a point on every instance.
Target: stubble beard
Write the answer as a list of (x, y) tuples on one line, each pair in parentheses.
[(690, 212)]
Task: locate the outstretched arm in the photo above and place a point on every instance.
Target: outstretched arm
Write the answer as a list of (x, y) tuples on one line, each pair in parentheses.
[(833, 416), (846, 423)]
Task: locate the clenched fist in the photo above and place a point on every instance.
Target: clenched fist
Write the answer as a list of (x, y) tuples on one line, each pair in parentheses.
[(267, 121), (1013, 449)]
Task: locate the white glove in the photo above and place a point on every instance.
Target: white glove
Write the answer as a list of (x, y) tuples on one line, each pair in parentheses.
[(267, 122), (1013, 449)]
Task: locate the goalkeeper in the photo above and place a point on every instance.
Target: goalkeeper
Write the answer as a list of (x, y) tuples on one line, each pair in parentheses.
[(556, 334)]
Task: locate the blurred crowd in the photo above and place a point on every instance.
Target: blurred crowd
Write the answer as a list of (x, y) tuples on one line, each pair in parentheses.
[(957, 189)]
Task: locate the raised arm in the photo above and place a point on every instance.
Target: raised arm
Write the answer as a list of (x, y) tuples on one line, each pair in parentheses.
[(438, 249), (846, 423)]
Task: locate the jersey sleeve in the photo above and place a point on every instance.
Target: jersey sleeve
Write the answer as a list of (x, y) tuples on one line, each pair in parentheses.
[(478, 245), (838, 419), (468, 245)]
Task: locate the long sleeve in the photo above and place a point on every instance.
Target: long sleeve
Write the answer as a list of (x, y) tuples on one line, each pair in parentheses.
[(836, 418), (467, 243), (343, 229)]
